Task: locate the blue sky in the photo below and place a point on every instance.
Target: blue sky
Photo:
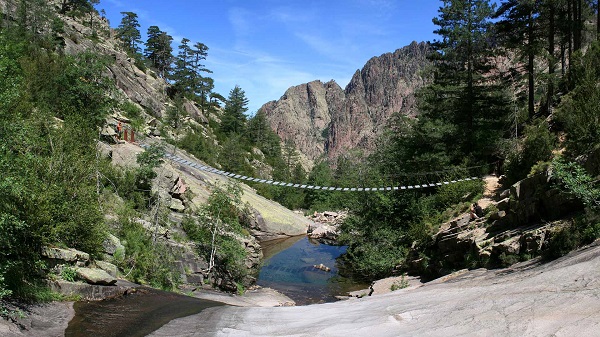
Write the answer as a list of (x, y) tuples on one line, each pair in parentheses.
[(267, 46)]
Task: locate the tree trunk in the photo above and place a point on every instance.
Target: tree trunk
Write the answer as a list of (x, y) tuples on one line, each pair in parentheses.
[(530, 66), (470, 103), (578, 24), (551, 61)]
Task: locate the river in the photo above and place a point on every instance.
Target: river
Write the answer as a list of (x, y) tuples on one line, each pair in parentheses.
[(289, 267)]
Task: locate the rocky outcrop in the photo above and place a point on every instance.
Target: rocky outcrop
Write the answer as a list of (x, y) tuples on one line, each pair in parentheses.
[(57, 256), (322, 119), (325, 228), (513, 227)]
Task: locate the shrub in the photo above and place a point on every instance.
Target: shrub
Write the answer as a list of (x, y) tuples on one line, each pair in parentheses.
[(68, 274), (536, 146), (573, 178), (400, 284), (147, 259)]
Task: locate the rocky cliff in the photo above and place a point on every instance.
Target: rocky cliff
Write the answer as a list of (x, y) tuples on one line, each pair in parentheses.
[(324, 120)]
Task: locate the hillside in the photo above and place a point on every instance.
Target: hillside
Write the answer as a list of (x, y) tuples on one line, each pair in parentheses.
[(113, 208)]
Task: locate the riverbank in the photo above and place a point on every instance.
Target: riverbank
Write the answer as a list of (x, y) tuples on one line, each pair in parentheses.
[(138, 313), (528, 299), (39, 320)]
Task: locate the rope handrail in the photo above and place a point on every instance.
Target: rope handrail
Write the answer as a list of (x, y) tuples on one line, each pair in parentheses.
[(209, 169)]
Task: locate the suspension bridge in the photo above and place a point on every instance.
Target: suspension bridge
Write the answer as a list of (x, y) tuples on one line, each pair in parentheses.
[(193, 164)]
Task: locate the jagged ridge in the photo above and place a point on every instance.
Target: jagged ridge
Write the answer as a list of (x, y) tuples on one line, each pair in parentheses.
[(324, 120)]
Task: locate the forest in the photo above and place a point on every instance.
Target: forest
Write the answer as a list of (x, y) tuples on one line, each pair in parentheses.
[(514, 89)]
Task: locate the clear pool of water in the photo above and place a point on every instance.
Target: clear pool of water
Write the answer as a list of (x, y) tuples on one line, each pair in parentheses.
[(289, 268)]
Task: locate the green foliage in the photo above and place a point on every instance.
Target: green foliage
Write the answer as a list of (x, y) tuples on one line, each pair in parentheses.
[(51, 108), (175, 113), (233, 119), (68, 274), (462, 107), (148, 160), (147, 259), (128, 32), (536, 146), (233, 156), (200, 146), (579, 111), (216, 231), (562, 242), (158, 50), (400, 284), (260, 134), (573, 178)]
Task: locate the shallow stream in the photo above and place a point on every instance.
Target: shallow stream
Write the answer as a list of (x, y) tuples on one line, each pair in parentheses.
[(137, 314), (289, 267)]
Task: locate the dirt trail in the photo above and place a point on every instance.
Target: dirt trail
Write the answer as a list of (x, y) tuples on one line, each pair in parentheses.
[(491, 188)]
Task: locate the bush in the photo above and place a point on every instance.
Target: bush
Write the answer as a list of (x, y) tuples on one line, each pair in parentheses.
[(579, 111), (216, 231), (536, 146), (573, 178), (147, 259), (68, 274)]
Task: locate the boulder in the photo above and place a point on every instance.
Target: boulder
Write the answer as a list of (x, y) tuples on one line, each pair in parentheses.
[(96, 276), (528, 187), (497, 215), (177, 205), (532, 242), (323, 231), (65, 256), (511, 246), (110, 268), (504, 204), (112, 244), (90, 292), (193, 111), (178, 188), (322, 267)]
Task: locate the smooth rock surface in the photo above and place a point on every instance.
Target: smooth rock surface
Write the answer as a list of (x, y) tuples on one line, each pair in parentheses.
[(43, 320), (559, 298), (96, 276)]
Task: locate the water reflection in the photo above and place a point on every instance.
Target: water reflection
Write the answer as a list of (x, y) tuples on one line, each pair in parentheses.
[(289, 267), (136, 314)]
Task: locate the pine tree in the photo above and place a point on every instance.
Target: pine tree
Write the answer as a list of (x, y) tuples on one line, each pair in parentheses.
[(158, 50), (129, 33), (201, 86), (234, 120), (187, 74), (519, 30), (463, 106)]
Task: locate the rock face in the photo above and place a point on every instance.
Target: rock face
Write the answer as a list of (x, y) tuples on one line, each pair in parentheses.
[(322, 119), (58, 256), (512, 227)]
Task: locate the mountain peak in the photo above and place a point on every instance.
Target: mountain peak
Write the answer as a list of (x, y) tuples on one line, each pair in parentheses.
[(325, 121)]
